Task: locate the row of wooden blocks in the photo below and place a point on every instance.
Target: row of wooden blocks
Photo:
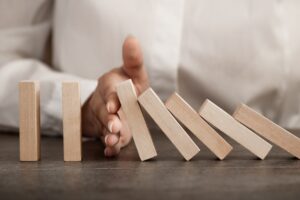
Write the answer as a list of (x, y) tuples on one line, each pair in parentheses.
[(29, 121), (245, 126)]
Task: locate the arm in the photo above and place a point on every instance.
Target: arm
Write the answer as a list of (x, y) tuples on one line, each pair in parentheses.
[(24, 30), (22, 44)]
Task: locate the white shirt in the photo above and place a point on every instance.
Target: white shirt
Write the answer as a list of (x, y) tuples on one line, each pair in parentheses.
[(228, 51)]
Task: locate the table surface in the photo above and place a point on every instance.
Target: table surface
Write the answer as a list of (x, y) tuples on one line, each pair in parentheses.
[(240, 176)]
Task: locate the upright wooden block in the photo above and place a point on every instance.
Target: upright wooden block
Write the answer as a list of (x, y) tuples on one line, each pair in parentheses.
[(227, 124), (268, 129), (163, 118), (135, 120), (29, 119), (71, 121), (201, 129)]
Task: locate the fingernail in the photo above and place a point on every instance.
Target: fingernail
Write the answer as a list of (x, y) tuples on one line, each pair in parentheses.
[(110, 126), (105, 139), (114, 139), (108, 107)]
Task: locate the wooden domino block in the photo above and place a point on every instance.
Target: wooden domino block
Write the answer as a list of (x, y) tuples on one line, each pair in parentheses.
[(29, 119), (268, 129), (71, 121), (163, 118), (200, 128), (227, 124), (135, 120)]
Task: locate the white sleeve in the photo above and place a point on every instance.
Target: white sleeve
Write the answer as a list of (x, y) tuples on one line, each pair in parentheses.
[(24, 30)]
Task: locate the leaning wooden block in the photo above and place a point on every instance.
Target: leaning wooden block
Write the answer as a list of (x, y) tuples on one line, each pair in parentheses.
[(163, 118), (135, 120), (227, 124), (71, 121), (268, 129), (200, 128), (29, 119)]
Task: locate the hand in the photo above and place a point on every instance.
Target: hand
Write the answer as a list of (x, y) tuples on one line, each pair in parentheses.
[(101, 112)]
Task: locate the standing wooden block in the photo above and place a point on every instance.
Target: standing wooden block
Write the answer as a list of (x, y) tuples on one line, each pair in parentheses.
[(29, 119), (163, 118), (268, 129), (227, 124), (135, 120), (200, 128), (71, 121)]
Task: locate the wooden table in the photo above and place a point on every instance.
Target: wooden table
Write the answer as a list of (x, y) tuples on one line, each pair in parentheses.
[(239, 176)]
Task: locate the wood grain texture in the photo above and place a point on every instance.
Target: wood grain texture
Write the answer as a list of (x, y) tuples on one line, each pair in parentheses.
[(163, 118), (71, 107), (135, 120), (227, 124), (239, 177), (200, 128), (268, 129), (29, 119)]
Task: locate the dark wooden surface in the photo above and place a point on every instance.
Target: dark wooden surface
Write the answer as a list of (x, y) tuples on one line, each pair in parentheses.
[(239, 176)]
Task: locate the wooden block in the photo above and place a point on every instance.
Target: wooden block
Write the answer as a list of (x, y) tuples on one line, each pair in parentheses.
[(29, 119), (71, 121), (135, 120), (268, 129), (163, 118), (200, 128), (227, 124)]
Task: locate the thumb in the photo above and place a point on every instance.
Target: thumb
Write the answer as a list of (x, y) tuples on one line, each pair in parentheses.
[(133, 59)]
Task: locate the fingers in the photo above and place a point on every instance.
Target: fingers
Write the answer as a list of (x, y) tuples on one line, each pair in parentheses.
[(110, 121), (107, 90), (133, 59), (107, 106), (108, 138), (107, 102), (112, 103), (112, 151), (123, 140), (111, 142), (125, 132)]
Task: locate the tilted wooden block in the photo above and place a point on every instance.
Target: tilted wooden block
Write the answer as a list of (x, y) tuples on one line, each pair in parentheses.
[(29, 119), (135, 120), (200, 128), (227, 124), (71, 121), (268, 129), (163, 118)]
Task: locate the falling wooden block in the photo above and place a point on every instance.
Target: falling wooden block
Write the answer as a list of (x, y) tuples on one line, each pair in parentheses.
[(227, 124), (29, 119), (200, 128), (71, 121), (163, 118), (268, 129), (135, 120)]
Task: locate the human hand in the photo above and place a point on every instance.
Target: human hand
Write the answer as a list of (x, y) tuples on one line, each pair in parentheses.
[(101, 112)]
